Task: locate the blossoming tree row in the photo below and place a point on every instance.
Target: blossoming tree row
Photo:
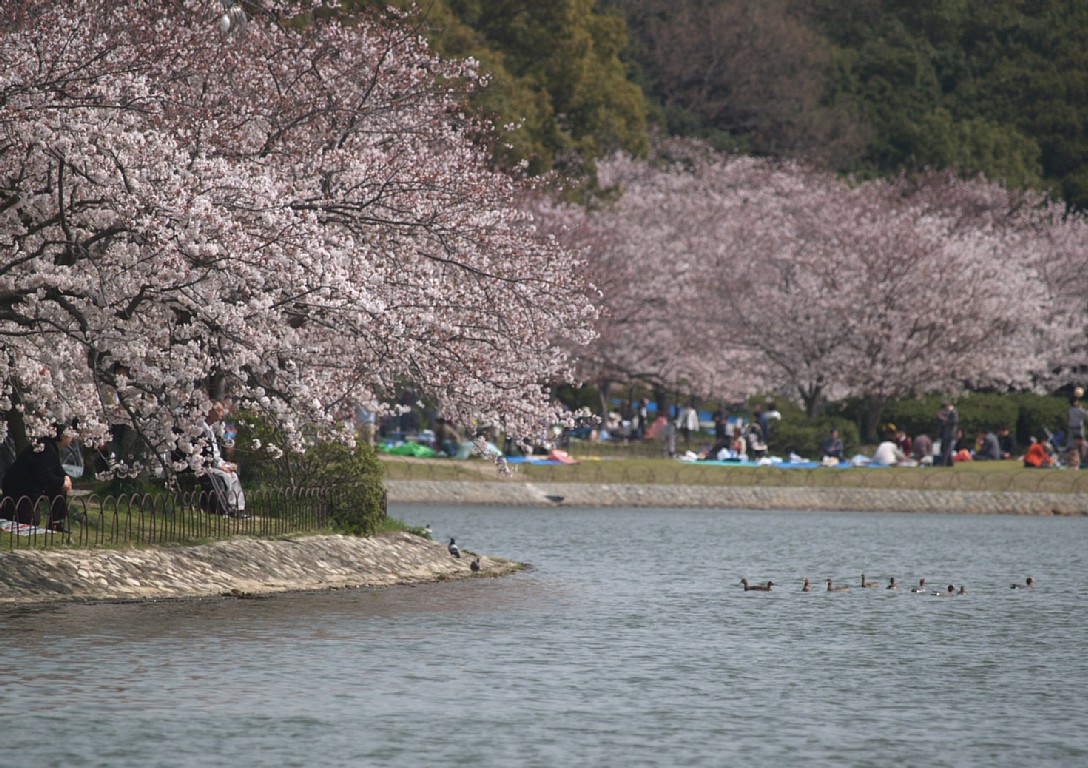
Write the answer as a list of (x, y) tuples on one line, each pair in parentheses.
[(725, 276), (300, 211)]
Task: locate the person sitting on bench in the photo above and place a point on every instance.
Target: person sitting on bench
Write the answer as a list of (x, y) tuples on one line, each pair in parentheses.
[(222, 475)]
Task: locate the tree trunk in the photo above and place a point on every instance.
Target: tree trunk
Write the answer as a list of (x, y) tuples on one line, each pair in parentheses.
[(604, 395), (874, 406)]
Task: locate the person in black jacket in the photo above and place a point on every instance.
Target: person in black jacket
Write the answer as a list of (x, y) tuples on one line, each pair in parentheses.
[(37, 472)]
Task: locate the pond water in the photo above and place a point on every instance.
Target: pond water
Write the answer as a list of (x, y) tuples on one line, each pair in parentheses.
[(629, 642)]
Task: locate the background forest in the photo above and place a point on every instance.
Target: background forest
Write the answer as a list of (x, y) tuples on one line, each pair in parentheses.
[(871, 87)]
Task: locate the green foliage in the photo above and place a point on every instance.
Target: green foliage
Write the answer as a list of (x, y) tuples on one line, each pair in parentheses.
[(796, 433), (355, 472), (917, 416), (559, 91), (994, 87), (359, 506)]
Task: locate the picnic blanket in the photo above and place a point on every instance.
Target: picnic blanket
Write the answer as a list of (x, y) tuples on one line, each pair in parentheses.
[(21, 529)]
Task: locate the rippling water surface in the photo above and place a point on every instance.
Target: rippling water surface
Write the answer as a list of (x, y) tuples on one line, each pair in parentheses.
[(629, 643)]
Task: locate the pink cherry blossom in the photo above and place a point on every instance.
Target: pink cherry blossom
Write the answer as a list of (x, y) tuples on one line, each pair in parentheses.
[(303, 216)]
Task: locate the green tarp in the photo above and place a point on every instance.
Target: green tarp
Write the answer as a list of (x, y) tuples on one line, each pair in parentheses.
[(411, 449)]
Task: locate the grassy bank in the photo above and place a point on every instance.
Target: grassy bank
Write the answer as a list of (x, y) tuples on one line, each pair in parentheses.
[(980, 476)]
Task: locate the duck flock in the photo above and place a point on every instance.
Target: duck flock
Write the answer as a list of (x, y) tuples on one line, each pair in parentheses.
[(951, 591)]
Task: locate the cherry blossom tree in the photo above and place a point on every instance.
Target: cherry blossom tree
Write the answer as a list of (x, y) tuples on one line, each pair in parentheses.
[(301, 211), (780, 277)]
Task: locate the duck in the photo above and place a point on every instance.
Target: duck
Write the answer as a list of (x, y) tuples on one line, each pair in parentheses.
[(892, 584), (921, 586), (1029, 584), (453, 548), (427, 531), (963, 590), (867, 584), (836, 589), (756, 587), (474, 566), (807, 587), (950, 592)]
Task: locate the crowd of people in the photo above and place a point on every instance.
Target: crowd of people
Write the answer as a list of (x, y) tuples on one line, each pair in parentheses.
[(988, 444)]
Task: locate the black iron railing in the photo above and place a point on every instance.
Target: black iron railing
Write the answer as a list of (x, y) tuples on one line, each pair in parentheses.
[(182, 517)]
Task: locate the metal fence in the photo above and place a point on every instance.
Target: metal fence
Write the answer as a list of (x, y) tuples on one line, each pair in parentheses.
[(174, 518)]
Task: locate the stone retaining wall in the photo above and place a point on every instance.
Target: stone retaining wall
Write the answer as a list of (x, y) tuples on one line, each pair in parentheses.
[(517, 493), (240, 567)]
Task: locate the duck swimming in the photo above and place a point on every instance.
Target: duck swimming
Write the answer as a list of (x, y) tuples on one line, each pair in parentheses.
[(756, 587), (951, 592), (807, 587), (921, 586), (836, 589), (892, 584), (867, 584), (1029, 584)]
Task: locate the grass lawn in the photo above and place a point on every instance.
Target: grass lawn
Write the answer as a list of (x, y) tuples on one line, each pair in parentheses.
[(970, 476)]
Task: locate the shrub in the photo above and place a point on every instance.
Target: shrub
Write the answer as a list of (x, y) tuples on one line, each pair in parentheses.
[(355, 473), (795, 433)]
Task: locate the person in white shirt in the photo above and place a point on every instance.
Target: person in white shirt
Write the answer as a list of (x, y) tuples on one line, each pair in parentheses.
[(224, 471), (888, 453), (688, 424)]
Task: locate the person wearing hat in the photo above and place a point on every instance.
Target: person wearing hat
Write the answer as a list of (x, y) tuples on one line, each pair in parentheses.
[(37, 472)]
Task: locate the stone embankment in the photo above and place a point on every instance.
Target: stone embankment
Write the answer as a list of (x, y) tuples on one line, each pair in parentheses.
[(240, 567), (516, 493), (243, 567)]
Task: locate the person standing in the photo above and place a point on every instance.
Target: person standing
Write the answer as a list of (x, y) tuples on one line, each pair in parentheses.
[(643, 416), (1077, 418), (688, 423), (947, 426)]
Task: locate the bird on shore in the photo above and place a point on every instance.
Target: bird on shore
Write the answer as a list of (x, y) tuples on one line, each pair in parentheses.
[(756, 587), (427, 530), (836, 589), (867, 584), (892, 584), (807, 587), (453, 548), (1029, 584), (921, 586), (474, 566)]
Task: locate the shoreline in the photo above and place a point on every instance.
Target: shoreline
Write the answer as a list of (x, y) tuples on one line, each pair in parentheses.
[(518, 493), (246, 567), (234, 568)]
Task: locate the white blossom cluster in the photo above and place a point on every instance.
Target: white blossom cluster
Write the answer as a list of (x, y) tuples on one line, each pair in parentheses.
[(727, 276), (299, 211)]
